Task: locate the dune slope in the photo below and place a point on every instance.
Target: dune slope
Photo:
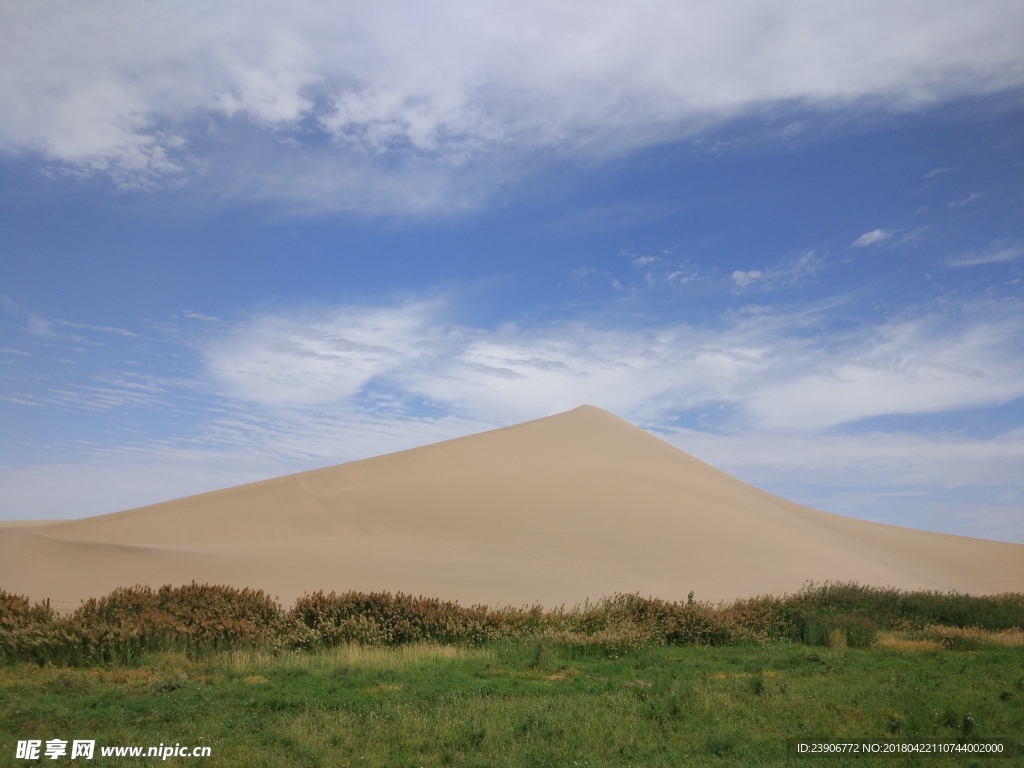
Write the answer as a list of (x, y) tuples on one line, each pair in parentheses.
[(557, 510)]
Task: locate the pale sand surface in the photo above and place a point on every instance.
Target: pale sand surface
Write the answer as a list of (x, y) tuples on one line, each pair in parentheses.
[(574, 506)]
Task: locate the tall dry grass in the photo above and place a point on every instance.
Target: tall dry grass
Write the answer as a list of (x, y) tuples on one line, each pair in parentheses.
[(351, 656), (972, 638), (195, 619)]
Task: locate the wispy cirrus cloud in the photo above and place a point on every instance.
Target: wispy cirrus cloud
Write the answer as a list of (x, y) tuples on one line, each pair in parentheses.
[(87, 367), (803, 369), (967, 200), (764, 365), (937, 459), (781, 275), (871, 238), (392, 106), (999, 252), (664, 272), (326, 358)]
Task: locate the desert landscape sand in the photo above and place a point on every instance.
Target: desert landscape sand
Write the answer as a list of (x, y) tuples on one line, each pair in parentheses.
[(573, 506)]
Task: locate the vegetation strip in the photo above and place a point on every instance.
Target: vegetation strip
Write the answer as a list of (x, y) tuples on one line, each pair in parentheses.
[(195, 619)]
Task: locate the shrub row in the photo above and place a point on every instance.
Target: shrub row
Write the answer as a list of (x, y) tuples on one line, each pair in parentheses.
[(199, 618)]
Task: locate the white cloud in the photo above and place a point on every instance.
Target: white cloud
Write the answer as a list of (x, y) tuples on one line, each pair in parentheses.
[(931, 459), (746, 279), (763, 365), (850, 470), (507, 374), (789, 273), (419, 106), (784, 371), (661, 272), (997, 253), (872, 237), (40, 327), (966, 200), (192, 315), (309, 360), (919, 365), (100, 328)]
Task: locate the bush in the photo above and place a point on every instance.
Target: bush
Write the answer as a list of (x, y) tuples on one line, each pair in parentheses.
[(132, 621), (895, 609), (380, 618), (840, 631)]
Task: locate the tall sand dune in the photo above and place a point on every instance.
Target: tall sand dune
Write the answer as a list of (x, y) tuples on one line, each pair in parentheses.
[(578, 505)]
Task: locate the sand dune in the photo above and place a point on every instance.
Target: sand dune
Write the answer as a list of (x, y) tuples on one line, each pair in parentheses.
[(557, 510)]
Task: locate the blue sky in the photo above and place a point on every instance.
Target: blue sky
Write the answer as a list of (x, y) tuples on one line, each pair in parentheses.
[(242, 240)]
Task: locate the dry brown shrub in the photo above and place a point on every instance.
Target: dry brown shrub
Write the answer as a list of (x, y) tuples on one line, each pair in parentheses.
[(380, 618), (617, 638), (896, 642), (973, 638), (837, 639)]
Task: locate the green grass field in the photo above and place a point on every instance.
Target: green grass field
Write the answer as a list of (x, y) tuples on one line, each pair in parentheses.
[(531, 702)]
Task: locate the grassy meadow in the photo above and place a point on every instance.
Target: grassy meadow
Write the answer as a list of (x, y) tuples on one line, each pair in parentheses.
[(383, 680)]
